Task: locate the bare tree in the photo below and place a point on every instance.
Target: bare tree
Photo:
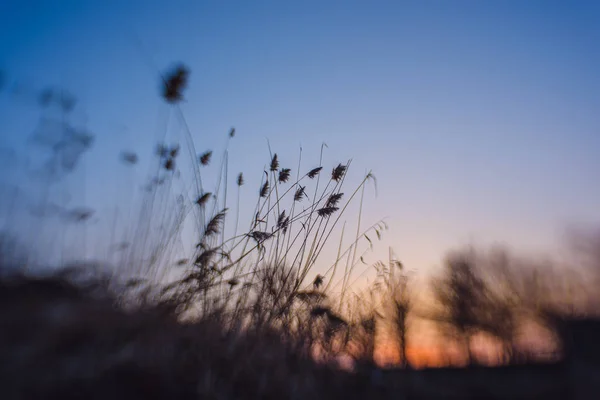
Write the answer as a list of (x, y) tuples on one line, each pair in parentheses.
[(503, 302), (462, 293), (398, 305), (362, 316)]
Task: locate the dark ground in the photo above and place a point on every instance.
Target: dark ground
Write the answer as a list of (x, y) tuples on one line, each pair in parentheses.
[(58, 341)]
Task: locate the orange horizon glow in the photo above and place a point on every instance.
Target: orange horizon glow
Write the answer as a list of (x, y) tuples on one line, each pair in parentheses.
[(418, 356), (486, 350)]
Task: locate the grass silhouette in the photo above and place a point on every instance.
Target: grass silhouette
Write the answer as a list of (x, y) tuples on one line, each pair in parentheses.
[(252, 313)]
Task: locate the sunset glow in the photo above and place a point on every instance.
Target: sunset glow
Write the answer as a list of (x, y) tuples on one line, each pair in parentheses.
[(303, 182)]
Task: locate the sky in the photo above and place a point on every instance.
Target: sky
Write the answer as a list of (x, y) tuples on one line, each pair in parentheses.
[(478, 118)]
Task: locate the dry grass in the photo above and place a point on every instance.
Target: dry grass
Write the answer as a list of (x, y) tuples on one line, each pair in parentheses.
[(59, 340), (240, 315), (70, 337)]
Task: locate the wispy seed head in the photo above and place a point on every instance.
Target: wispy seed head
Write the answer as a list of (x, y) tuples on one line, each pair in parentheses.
[(175, 83), (174, 151), (203, 199), (214, 225), (274, 162), (205, 157), (285, 224), (334, 199), (318, 281), (299, 193), (284, 175), (259, 236), (264, 190), (281, 219), (338, 172), (314, 172), (233, 282), (204, 258), (326, 211)]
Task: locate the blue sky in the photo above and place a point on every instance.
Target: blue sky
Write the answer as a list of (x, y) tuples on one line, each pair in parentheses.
[(478, 118)]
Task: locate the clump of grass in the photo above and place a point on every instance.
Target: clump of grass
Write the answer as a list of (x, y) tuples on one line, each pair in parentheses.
[(255, 280), (67, 339), (253, 277)]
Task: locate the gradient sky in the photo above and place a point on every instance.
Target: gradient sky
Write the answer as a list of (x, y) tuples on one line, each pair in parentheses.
[(480, 119)]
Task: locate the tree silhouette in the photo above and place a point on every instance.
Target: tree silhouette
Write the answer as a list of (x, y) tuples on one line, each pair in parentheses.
[(462, 293), (399, 306)]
